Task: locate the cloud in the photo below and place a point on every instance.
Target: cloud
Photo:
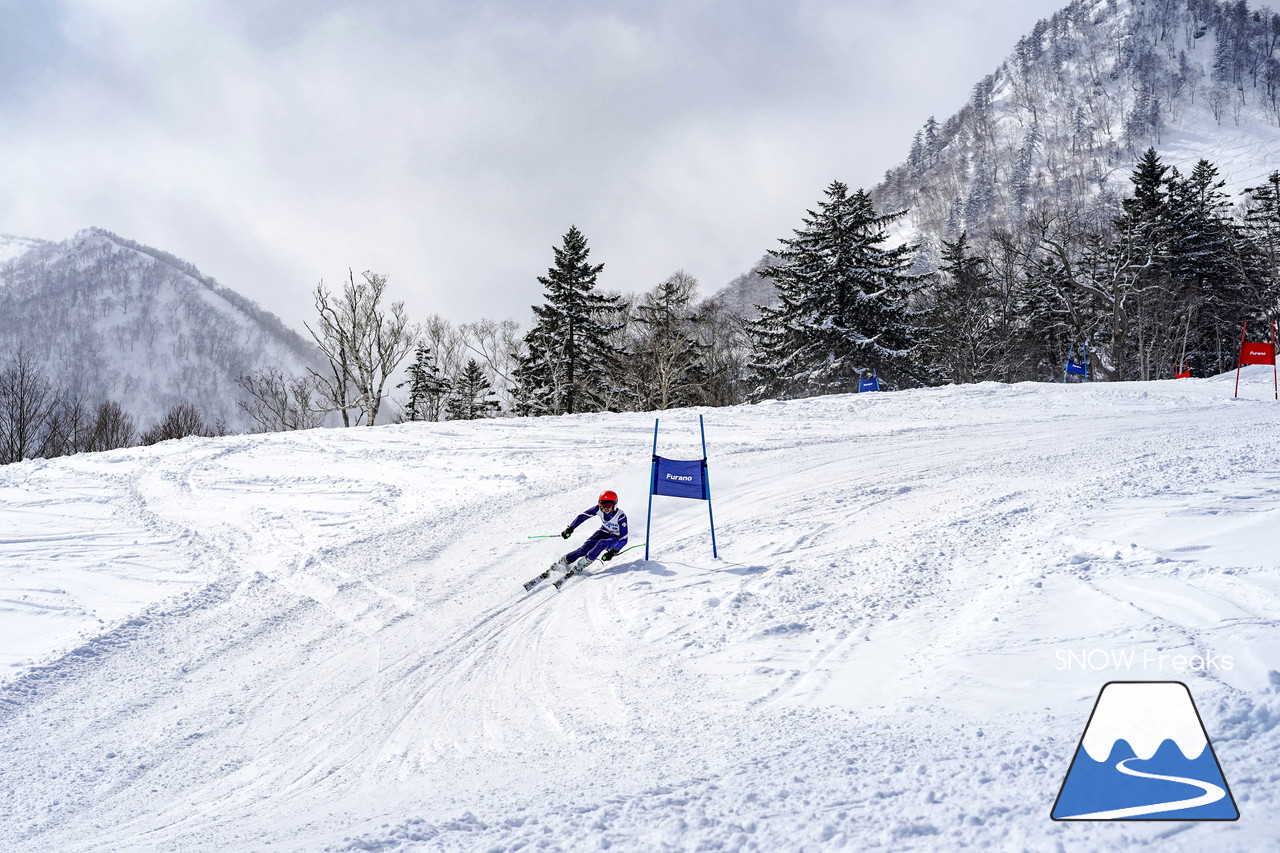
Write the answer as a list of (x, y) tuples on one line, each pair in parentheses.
[(451, 145)]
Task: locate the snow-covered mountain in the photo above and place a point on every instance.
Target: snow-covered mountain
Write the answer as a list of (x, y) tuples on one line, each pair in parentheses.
[(318, 640), (746, 294), (11, 247), (107, 318), (1056, 129), (1053, 133)]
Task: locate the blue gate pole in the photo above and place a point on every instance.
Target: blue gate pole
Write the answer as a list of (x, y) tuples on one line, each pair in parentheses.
[(1071, 352), (706, 488), (1084, 348), (653, 483)]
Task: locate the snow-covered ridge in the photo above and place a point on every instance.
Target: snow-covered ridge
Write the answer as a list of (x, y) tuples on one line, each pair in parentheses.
[(1057, 127), (12, 247), (108, 318)]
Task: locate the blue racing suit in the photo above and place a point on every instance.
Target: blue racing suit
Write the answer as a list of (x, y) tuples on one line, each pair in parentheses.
[(612, 535)]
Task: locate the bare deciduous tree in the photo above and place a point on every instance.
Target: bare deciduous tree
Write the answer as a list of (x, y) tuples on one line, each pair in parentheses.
[(1219, 100), (500, 346), (448, 343), (69, 429), (364, 344), (180, 421), (333, 338), (113, 427), (27, 403), (722, 333), (667, 357), (278, 402)]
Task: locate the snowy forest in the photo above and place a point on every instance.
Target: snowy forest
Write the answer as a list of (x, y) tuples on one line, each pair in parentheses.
[(1101, 189), (1042, 194)]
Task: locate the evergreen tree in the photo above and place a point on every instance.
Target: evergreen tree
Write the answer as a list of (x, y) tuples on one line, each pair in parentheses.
[(915, 158), (1178, 277), (1202, 232), (1129, 276), (843, 303), (472, 395), (932, 145), (1262, 229), (1017, 308), (1050, 322), (1144, 228), (569, 363), (427, 388), (1024, 170), (1217, 271), (962, 346), (1150, 181)]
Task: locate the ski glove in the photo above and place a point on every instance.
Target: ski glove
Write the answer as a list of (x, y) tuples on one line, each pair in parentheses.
[(609, 555), (566, 533)]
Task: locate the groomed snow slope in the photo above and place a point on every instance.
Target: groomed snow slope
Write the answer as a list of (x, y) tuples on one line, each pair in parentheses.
[(318, 641)]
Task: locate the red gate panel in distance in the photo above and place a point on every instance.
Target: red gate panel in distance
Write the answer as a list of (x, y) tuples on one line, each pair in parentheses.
[(1259, 352), (1252, 353)]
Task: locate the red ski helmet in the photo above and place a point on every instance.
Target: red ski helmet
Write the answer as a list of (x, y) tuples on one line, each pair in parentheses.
[(608, 496)]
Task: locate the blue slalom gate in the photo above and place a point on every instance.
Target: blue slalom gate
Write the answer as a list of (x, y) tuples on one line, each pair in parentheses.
[(1077, 368), (680, 478)]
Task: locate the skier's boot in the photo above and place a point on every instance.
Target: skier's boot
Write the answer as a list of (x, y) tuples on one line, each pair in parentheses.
[(580, 565)]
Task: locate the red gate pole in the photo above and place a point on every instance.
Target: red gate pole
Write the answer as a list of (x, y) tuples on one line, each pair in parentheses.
[(1275, 381), (1238, 363)]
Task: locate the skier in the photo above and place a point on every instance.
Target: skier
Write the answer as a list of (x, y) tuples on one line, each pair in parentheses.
[(605, 543)]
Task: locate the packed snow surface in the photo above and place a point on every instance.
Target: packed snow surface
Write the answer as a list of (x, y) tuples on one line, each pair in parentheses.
[(319, 641)]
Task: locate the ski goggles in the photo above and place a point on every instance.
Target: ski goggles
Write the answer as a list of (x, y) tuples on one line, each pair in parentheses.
[(608, 504)]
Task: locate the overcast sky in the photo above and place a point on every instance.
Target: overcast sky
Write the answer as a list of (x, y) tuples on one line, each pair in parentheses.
[(450, 145)]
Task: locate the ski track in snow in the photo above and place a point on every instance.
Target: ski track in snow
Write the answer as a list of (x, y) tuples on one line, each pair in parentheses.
[(318, 641)]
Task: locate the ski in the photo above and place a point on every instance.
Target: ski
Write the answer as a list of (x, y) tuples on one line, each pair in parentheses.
[(579, 572), (572, 573), (537, 580)]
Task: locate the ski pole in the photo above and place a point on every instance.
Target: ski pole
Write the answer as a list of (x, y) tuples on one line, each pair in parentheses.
[(625, 550), (549, 536)]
